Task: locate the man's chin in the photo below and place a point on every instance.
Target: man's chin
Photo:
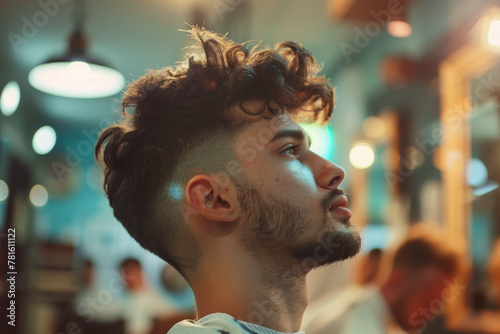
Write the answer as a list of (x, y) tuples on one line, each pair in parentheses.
[(330, 247)]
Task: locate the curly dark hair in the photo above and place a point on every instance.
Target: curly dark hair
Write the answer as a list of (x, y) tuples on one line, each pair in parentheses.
[(169, 114)]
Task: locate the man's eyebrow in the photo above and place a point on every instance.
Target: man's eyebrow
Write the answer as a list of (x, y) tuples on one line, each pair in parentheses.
[(292, 133)]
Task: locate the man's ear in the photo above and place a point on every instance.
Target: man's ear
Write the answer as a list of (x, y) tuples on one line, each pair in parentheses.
[(213, 198)]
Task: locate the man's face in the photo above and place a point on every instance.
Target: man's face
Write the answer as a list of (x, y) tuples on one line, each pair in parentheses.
[(132, 276), (292, 205)]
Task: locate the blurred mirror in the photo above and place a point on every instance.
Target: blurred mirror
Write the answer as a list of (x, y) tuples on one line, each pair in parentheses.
[(483, 179)]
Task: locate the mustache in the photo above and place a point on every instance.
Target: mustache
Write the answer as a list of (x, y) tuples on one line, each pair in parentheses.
[(327, 200)]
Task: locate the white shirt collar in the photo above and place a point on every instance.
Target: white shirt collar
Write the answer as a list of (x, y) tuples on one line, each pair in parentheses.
[(247, 327), (264, 330)]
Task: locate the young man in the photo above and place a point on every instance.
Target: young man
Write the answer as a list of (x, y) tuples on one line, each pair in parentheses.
[(211, 172)]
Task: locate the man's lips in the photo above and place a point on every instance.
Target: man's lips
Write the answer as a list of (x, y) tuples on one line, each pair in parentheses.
[(340, 206)]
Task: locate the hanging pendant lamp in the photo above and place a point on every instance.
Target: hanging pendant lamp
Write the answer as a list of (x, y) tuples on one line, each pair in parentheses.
[(75, 74)]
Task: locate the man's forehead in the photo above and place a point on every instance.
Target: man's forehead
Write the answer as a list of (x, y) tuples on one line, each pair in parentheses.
[(265, 130), (263, 133)]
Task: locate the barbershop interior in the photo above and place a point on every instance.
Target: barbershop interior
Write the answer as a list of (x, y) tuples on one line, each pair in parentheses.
[(416, 127)]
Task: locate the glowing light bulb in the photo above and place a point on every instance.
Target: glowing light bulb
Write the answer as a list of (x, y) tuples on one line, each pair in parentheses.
[(44, 140), (9, 100), (76, 79), (362, 155), (39, 195), (77, 74)]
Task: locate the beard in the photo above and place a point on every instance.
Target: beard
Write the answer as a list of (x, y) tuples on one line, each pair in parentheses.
[(275, 229)]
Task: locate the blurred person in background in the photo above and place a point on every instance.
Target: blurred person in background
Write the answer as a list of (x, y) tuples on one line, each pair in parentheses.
[(140, 304), (86, 281), (89, 302), (210, 171), (422, 279)]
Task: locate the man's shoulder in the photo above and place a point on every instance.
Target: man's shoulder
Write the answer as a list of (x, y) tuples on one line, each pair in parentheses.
[(215, 323)]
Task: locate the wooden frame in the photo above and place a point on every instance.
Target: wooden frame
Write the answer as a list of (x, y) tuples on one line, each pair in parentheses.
[(456, 73)]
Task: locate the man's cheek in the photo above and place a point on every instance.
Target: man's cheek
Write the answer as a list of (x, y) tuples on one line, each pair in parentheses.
[(301, 180)]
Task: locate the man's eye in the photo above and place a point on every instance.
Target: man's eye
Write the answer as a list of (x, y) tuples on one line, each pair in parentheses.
[(290, 150)]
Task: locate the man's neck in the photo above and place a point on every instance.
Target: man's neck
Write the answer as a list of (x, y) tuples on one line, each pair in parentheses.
[(267, 296)]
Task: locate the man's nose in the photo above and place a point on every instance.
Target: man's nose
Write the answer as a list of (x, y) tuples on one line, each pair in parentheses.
[(328, 175)]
